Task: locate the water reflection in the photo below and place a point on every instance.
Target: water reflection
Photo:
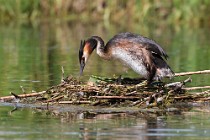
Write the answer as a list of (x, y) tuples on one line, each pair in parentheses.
[(38, 124), (32, 55)]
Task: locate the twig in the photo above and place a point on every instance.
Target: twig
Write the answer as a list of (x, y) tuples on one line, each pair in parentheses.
[(205, 99), (15, 95), (131, 93), (96, 103), (202, 93), (62, 76), (196, 88), (183, 97), (74, 102), (23, 90), (55, 99), (137, 102), (192, 73), (178, 84), (8, 98), (115, 97)]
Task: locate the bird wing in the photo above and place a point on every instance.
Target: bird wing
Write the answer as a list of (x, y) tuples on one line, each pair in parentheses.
[(152, 46), (144, 42)]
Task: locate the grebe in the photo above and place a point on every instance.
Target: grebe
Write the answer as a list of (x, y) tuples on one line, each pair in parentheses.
[(141, 54)]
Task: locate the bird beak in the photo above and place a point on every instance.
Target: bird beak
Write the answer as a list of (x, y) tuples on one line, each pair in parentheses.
[(82, 65), (84, 53), (81, 58)]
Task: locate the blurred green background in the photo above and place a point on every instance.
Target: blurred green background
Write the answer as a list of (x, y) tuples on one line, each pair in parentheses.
[(37, 37), (189, 12)]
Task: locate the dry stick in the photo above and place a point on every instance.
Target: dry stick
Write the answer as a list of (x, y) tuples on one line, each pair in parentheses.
[(74, 102), (131, 93), (183, 97), (202, 93), (115, 97), (15, 95), (197, 88), (62, 76), (55, 99), (191, 73), (179, 84), (23, 90), (7, 98), (205, 99)]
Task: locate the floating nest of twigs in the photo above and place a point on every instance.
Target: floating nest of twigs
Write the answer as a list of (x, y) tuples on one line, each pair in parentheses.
[(114, 92)]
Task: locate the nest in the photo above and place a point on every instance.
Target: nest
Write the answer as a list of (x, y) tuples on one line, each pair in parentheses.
[(112, 92), (116, 92)]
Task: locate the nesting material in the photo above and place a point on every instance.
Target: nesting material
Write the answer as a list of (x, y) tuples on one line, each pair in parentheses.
[(114, 92)]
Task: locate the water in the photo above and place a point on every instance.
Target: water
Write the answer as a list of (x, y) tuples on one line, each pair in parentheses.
[(31, 56), (38, 124)]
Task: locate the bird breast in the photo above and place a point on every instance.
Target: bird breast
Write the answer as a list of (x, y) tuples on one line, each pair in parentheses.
[(131, 58)]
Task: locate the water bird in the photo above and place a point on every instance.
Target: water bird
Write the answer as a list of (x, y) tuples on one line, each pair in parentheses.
[(140, 53)]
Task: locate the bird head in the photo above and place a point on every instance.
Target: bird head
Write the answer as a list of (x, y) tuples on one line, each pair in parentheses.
[(86, 48)]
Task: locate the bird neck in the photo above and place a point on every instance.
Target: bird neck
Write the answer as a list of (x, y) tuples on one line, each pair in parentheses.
[(101, 50)]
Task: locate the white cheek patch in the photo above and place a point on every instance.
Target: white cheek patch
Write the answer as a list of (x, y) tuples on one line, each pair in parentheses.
[(85, 55)]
